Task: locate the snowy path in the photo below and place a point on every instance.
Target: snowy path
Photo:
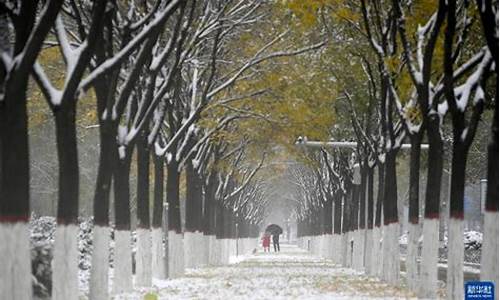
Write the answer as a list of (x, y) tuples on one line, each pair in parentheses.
[(291, 274)]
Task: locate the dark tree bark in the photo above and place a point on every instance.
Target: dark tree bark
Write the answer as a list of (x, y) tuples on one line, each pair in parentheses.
[(174, 209), (337, 227), (369, 191), (158, 191), (121, 187), (390, 189), (194, 203), (143, 162), (327, 212), (434, 169), (492, 175), (219, 220), (346, 220), (380, 194), (14, 152), (209, 215), (355, 207), (362, 194), (67, 209), (489, 23), (413, 210)]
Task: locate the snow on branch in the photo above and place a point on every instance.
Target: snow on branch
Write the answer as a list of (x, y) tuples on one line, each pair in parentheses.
[(258, 59), (52, 95), (464, 91), (124, 53)]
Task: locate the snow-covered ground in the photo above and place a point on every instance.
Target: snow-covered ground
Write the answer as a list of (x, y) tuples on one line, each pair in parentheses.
[(290, 274)]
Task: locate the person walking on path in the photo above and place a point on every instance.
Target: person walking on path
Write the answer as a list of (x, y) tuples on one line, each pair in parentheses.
[(266, 242), (276, 242)]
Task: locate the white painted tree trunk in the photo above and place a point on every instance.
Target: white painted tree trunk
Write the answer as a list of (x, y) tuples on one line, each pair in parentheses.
[(158, 254), (225, 252), (345, 248), (204, 257), (355, 249), (428, 267), (377, 252), (143, 258), (455, 272), (212, 248), (368, 251), (99, 271), (122, 281), (190, 245), (489, 255), (175, 254), (65, 263), (359, 250), (15, 261), (391, 268), (329, 246), (411, 264), (337, 239)]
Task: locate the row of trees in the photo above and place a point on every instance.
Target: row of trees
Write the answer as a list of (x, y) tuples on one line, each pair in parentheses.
[(416, 67), (162, 74)]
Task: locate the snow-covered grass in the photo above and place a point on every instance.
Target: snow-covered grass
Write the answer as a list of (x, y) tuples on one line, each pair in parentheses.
[(290, 274)]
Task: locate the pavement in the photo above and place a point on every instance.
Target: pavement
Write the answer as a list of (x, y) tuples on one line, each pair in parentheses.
[(292, 273)]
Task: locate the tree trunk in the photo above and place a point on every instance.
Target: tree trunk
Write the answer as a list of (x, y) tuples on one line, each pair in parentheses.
[(65, 264), (174, 210), (391, 268), (327, 210), (175, 237), (158, 255), (369, 191), (428, 268), (413, 212), (14, 192), (143, 256), (489, 270), (194, 207)]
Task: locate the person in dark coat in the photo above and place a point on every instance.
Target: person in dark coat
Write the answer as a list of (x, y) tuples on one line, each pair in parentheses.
[(276, 242)]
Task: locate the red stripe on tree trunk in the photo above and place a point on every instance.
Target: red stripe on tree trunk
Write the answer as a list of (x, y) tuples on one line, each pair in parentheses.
[(13, 219)]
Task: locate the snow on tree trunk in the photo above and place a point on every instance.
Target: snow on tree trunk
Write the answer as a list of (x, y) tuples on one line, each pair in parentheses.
[(455, 271), (489, 254), (143, 258), (175, 254), (428, 267), (65, 263), (391, 266), (15, 266), (122, 282), (411, 264), (158, 254), (99, 272)]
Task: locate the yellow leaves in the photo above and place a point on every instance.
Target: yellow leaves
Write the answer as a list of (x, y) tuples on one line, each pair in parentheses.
[(345, 13), (414, 114), (305, 11)]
